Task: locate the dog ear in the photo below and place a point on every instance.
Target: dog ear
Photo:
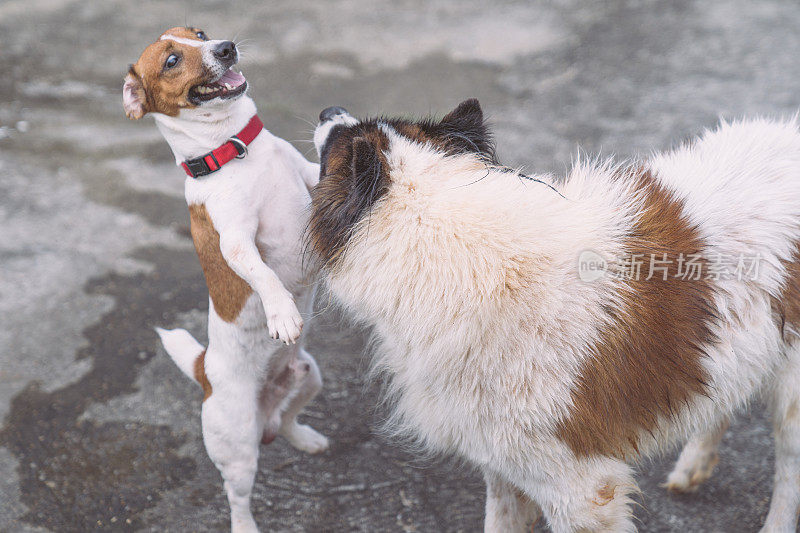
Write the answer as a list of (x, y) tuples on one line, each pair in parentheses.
[(466, 131), (468, 114), (365, 163), (134, 99)]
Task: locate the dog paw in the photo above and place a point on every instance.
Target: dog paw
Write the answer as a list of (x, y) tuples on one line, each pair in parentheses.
[(243, 524), (283, 319), (307, 439), (685, 480)]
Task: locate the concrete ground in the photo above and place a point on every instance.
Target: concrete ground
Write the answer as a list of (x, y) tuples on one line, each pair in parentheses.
[(98, 429)]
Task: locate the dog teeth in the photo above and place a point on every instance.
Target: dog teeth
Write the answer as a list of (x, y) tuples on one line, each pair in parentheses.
[(205, 89)]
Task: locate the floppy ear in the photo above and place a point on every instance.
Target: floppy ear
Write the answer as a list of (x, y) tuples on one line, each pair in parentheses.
[(465, 130), (340, 204), (365, 159), (134, 100), (367, 174)]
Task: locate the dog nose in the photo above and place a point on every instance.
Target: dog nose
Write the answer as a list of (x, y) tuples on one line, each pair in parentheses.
[(330, 112), (225, 51)]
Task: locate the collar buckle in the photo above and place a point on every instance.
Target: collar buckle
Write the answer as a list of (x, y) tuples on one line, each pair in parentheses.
[(198, 167), (234, 147)]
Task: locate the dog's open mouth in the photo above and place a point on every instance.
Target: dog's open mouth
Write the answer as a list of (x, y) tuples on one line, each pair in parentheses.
[(228, 85)]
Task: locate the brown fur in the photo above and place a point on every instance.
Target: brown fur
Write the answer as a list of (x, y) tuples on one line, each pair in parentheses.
[(200, 375), (352, 179), (647, 363), (228, 291), (786, 308), (605, 494), (167, 91), (793, 411), (347, 191), (463, 130)]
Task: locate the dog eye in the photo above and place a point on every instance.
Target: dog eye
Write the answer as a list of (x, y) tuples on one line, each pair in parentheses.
[(201, 35), (171, 61)]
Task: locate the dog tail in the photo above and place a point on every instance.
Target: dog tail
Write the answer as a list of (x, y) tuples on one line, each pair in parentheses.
[(185, 351)]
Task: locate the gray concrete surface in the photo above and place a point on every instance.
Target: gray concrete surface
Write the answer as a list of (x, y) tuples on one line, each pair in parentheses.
[(99, 431)]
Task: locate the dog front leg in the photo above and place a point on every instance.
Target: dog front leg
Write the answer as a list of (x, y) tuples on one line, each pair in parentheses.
[(309, 171), (241, 254)]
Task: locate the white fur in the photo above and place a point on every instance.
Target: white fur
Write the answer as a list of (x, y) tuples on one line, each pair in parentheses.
[(258, 205), (207, 49), (321, 132), (486, 372), (182, 40), (182, 348)]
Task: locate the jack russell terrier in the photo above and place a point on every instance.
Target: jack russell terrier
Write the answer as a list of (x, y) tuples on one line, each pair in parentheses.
[(248, 193)]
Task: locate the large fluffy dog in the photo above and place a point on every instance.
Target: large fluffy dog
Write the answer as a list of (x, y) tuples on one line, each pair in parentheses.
[(550, 333), (247, 192)]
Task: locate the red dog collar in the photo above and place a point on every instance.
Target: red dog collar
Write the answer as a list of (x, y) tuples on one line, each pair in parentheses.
[(234, 148)]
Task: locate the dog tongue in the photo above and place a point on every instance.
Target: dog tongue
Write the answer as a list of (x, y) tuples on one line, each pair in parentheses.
[(234, 78)]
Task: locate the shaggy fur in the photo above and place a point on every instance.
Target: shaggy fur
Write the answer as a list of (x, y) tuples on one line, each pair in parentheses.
[(499, 351)]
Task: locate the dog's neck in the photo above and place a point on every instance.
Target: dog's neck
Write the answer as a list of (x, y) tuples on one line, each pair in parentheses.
[(195, 132)]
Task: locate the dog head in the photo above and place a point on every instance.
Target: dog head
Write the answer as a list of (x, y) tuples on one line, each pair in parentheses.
[(183, 69), (356, 164)]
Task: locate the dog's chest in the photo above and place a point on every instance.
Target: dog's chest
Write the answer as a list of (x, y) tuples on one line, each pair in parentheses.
[(228, 291)]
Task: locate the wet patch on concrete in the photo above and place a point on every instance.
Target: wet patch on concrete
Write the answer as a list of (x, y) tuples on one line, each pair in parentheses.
[(78, 475)]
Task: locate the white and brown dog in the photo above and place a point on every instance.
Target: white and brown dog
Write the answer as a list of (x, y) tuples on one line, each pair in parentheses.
[(518, 330), (248, 194)]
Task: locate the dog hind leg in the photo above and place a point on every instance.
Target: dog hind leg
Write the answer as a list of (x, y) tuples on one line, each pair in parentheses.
[(785, 405), (231, 432), (508, 510), (302, 436), (697, 460), (591, 494)]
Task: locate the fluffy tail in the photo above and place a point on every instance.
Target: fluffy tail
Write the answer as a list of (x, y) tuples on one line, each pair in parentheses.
[(184, 350)]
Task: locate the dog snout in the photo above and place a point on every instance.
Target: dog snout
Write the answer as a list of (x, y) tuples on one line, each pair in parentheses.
[(329, 113), (225, 52)]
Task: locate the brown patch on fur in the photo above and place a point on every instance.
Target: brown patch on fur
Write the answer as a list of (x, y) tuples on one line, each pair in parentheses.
[(421, 134), (353, 176), (605, 494), (463, 130), (167, 91), (647, 363), (228, 291), (786, 308), (793, 411), (200, 375)]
